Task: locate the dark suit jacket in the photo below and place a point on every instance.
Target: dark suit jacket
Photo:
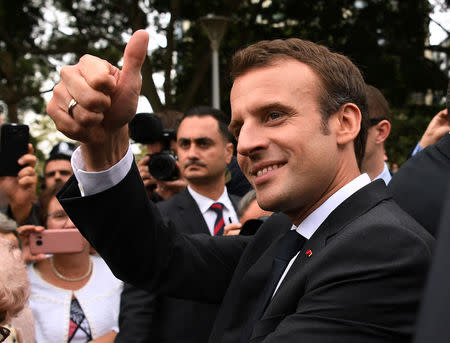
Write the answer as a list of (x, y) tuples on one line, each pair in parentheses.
[(145, 317), (433, 324), (420, 185), (361, 283)]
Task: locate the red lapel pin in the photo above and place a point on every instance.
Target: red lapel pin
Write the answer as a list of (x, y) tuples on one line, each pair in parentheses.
[(308, 253)]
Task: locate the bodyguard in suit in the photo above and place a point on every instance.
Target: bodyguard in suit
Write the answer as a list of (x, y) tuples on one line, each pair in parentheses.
[(345, 265), (204, 150), (421, 184), (432, 324)]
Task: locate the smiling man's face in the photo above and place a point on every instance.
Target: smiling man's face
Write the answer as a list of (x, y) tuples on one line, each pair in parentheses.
[(284, 149)]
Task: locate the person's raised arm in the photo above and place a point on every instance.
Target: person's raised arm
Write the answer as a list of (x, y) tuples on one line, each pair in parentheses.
[(106, 100), (21, 189), (438, 127)]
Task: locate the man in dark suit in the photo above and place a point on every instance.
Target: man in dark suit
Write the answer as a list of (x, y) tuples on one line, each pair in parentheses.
[(204, 150), (420, 185), (432, 325), (346, 264), (373, 162)]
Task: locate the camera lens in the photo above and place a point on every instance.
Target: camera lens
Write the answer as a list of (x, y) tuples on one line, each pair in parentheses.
[(163, 167), (39, 242)]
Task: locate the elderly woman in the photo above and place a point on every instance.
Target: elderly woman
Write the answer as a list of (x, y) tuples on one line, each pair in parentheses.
[(16, 321), (74, 296)]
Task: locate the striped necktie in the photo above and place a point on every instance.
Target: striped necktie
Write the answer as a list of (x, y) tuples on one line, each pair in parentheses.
[(219, 223)]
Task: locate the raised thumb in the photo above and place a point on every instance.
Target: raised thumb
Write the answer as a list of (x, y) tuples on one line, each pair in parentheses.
[(135, 53)]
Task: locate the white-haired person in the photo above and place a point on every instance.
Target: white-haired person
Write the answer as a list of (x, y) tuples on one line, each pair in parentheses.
[(16, 320)]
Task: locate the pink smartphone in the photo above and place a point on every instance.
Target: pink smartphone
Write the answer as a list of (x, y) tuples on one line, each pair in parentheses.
[(55, 241)]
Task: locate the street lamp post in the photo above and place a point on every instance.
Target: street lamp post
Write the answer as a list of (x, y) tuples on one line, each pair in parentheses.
[(3, 111), (215, 27)]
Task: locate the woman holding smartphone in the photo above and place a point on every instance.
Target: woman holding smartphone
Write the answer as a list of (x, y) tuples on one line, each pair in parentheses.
[(74, 296)]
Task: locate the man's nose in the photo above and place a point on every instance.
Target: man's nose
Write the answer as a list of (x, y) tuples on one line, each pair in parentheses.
[(251, 139), (193, 152)]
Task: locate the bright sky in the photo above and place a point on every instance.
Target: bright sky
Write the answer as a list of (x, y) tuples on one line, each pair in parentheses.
[(437, 35)]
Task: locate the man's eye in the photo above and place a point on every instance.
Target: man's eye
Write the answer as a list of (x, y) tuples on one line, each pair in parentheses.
[(274, 116)]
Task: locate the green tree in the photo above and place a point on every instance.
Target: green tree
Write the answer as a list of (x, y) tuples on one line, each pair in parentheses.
[(386, 39), (23, 68)]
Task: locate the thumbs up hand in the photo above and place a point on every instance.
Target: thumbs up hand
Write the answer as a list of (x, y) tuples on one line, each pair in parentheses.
[(106, 100)]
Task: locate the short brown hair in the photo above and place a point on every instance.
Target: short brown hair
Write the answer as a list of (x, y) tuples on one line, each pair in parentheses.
[(341, 80), (377, 104)]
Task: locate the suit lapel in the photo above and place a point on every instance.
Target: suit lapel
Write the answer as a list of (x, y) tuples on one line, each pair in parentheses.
[(249, 278), (352, 208), (190, 214)]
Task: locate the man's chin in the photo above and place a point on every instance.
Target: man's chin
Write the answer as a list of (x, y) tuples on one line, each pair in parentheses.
[(268, 202), (194, 177)]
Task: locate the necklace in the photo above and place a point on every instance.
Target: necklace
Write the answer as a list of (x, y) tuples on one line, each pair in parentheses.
[(65, 278)]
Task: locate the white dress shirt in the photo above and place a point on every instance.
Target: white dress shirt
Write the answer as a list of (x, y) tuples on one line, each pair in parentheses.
[(204, 204), (91, 183), (385, 175)]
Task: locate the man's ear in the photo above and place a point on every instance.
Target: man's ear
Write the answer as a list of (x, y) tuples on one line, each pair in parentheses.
[(348, 123), (229, 148), (383, 129)]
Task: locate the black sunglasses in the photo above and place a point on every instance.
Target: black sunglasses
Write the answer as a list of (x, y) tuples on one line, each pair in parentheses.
[(4, 333)]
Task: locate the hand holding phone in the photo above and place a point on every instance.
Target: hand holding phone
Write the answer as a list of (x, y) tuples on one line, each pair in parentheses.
[(14, 140), (56, 241)]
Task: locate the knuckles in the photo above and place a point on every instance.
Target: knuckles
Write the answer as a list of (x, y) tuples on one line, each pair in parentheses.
[(96, 102), (89, 119)]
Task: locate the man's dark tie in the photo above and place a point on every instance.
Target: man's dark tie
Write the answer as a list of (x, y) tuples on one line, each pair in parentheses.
[(219, 224), (290, 244)]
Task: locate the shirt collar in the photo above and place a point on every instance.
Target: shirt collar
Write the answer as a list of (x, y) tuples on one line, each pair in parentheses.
[(204, 203), (311, 223), (385, 175)]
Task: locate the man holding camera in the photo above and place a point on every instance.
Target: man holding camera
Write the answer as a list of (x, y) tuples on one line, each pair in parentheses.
[(158, 169), (204, 149)]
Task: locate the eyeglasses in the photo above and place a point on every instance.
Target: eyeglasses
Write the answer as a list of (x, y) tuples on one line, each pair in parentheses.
[(4, 333), (58, 216)]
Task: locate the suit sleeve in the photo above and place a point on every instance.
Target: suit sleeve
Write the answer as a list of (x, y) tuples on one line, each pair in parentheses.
[(127, 230), (137, 308)]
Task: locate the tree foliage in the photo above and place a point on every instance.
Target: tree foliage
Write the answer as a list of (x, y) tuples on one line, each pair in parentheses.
[(386, 39)]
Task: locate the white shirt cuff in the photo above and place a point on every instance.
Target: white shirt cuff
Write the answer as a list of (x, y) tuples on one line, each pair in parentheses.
[(91, 183)]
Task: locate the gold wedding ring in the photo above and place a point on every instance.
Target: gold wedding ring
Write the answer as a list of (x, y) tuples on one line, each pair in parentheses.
[(72, 104)]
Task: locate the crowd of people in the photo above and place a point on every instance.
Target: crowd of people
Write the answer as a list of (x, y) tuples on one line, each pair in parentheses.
[(283, 224)]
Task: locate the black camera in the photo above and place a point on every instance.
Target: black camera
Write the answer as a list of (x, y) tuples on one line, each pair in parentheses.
[(146, 128)]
